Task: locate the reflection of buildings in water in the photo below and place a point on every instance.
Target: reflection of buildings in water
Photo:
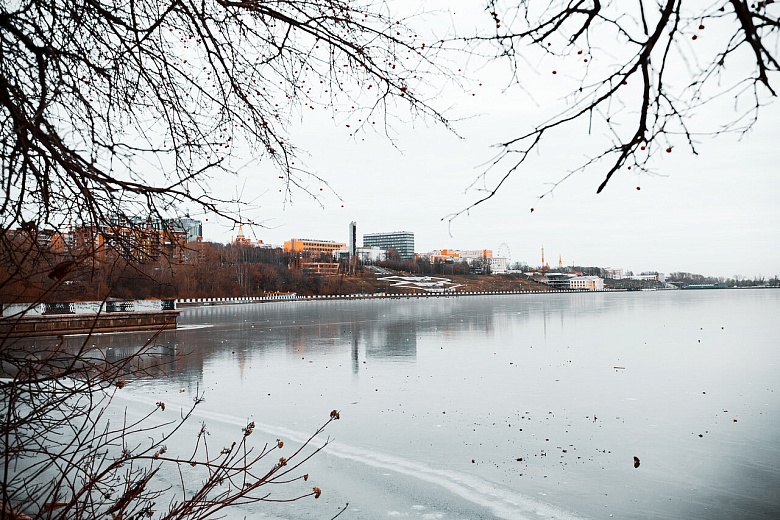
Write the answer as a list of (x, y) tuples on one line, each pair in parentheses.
[(384, 339), (149, 356), (301, 339), (386, 329), (356, 330), (379, 337), (230, 312), (355, 352), (382, 330), (153, 360), (396, 340)]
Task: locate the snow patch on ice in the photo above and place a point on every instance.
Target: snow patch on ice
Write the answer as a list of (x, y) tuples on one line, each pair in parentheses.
[(502, 502)]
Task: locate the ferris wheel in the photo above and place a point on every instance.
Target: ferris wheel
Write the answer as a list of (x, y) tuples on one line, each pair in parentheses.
[(503, 252)]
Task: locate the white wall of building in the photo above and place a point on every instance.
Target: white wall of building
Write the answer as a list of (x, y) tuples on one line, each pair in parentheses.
[(589, 283), (498, 265)]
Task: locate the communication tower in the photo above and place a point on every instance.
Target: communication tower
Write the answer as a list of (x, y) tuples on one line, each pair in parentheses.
[(545, 265)]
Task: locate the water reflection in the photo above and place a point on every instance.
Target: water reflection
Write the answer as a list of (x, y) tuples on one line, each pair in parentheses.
[(383, 331), (386, 331), (515, 395)]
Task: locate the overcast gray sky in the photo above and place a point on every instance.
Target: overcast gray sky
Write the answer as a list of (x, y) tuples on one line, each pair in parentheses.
[(715, 214)]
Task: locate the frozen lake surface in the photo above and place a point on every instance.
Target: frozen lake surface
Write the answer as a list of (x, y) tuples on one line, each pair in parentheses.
[(529, 406)]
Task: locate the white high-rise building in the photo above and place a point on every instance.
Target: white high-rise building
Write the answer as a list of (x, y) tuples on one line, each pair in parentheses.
[(401, 241)]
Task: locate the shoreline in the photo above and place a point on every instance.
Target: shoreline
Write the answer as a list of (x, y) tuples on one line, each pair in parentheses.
[(205, 302), (62, 324), (38, 325)]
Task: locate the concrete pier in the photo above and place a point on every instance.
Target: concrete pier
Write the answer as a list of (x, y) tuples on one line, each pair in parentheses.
[(54, 319), (55, 325), (83, 324)]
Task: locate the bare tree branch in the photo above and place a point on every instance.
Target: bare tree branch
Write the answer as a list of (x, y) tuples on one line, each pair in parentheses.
[(654, 43)]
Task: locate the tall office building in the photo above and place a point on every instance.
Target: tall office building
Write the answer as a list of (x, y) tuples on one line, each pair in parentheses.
[(193, 228), (352, 239), (401, 241)]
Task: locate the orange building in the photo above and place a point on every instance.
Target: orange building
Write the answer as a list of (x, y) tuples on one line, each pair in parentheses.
[(134, 238), (48, 239), (308, 247), (469, 255), (137, 243)]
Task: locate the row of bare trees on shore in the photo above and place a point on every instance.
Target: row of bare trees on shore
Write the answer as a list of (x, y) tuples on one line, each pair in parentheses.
[(211, 270)]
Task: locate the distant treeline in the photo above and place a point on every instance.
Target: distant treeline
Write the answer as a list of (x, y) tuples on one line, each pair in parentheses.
[(680, 278), (218, 270), (204, 270)]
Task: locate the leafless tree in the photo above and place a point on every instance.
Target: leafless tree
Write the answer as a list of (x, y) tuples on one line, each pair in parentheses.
[(136, 108), (67, 453), (113, 109), (644, 76)]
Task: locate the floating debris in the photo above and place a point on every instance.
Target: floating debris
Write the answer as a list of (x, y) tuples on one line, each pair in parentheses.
[(636, 462)]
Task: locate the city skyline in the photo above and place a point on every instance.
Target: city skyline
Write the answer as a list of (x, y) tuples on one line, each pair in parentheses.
[(544, 256), (713, 212), (700, 214)]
